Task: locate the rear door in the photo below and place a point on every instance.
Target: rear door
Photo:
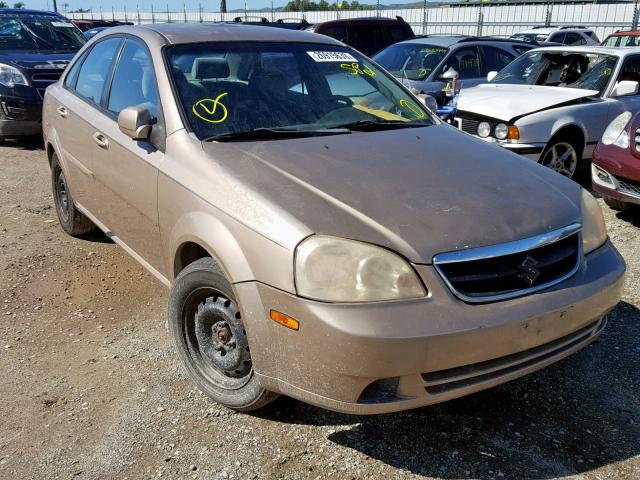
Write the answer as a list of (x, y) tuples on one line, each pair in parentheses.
[(127, 173), (77, 108)]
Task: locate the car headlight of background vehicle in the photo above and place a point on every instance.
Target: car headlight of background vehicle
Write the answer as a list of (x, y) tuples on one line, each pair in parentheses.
[(338, 270), (616, 133), (594, 231), (501, 131), (10, 76), (484, 129)]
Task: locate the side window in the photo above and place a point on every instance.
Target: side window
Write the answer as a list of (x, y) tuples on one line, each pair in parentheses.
[(592, 36), (70, 79), (574, 39), (339, 33), (367, 38), (557, 37), (398, 33), (134, 82), (465, 61), (630, 70), (495, 59), (521, 49), (95, 69)]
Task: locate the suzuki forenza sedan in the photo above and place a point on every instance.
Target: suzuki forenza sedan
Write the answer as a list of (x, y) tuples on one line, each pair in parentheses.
[(323, 234)]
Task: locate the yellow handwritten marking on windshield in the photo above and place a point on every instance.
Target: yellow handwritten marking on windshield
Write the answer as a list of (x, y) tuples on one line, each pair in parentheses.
[(206, 109), (355, 69), (412, 108), (383, 114)]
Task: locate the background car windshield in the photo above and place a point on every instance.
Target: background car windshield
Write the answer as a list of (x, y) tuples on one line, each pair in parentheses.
[(236, 87), (589, 71), (622, 41), (39, 32), (416, 60)]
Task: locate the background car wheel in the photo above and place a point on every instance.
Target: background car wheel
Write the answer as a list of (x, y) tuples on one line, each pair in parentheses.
[(616, 204), (71, 219), (207, 329), (564, 156)]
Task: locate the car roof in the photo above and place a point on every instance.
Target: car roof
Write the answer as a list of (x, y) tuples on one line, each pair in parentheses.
[(178, 33), (23, 11), (621, 33), (449, 40), (548, 30), (367, 20), (615, 51)]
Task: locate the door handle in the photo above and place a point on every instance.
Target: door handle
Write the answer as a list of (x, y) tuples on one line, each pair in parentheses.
[(62, 111), (101, 140)]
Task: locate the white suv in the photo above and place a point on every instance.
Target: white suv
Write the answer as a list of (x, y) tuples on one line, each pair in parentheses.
[(562, 35), (553, 104)]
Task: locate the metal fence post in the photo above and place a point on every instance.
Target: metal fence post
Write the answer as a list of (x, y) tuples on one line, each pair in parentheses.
[(200, 11), (424, 17), (153, 15), (125, 14), (113, 14), (184, 11), (548, 15), (138, 14), (168, 16), (480, 20), (634, 22)]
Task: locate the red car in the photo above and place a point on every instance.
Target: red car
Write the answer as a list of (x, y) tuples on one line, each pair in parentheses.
[(615, 171), (622, 38)]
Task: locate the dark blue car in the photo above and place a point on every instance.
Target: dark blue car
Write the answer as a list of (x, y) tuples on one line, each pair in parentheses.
[(35, 48)]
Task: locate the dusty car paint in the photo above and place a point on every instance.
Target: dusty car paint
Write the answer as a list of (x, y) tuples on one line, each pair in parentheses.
[(416, 191)]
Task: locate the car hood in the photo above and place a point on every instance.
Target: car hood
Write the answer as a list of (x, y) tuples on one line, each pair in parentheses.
[(507, 102), (417, 191), (38, 59)]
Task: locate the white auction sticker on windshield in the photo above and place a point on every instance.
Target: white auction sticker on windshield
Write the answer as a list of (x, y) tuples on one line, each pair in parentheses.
[(62, 24), (332, 56)]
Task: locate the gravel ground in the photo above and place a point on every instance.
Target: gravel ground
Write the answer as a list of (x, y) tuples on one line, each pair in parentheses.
[(90, 386)]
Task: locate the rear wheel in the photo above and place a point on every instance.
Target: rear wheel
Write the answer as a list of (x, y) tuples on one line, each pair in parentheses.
[(71, 219), (209, 334), (563, 156)]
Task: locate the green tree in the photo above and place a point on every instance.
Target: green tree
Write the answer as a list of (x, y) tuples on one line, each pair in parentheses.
[(3, 4), (18, 5)]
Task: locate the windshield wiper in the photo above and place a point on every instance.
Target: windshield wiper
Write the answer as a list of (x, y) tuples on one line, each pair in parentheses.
[(373, 125), (36, 37), (274, 134)]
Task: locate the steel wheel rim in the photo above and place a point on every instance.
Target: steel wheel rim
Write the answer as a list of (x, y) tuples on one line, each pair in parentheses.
[(562, 158), (62, 195), (199, 351)]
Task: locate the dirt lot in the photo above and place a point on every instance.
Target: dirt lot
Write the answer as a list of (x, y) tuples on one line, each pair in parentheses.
[(90, 386)]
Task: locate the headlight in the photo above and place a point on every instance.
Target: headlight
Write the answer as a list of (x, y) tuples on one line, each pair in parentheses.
[(338, 270), (616, 133), (484, 129), (594, 231), (10, 76), (501, 131)]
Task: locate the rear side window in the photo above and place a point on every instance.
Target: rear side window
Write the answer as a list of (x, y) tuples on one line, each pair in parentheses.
[(592, 36), (339, 33), (367, 38), (495, 59), (574, 39), (399, 33), (134, 82), (95, 69)]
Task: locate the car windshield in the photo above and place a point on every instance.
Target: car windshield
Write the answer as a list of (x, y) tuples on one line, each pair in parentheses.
[(38, 32), (590, 71), (238, 88), (622, 41), (530, 37), (411, 60)]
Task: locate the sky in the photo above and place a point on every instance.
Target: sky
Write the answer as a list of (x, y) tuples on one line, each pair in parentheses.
[(174, 5)]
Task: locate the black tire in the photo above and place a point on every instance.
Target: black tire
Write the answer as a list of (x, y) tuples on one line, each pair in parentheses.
[(561, 144), (71, 219), (208, 333), (616, 204)]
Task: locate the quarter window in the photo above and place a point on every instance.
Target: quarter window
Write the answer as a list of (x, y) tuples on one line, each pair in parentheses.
[(95, 70), (134, 82), (574, 39), (495, 59), (70, 79)]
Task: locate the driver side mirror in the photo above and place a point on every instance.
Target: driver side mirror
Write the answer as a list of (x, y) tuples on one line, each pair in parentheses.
[(625, 87), (135, 122), (428, 101), (450, 74), (491, 75)]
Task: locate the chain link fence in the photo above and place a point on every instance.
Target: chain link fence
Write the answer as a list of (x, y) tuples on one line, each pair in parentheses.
[(462, 18)]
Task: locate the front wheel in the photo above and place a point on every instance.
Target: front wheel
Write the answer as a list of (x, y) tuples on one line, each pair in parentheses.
[(562, 156), (208, 332)]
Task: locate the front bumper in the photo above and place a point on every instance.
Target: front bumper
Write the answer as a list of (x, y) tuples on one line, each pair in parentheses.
[(19, 117), (616, 176), (391, 356)]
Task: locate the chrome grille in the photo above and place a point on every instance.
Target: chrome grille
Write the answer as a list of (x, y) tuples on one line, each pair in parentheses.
[(499, 272), (42, 80), (627, 186)]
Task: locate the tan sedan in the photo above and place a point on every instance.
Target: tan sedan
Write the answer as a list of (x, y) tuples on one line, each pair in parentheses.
[(323, 234)]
